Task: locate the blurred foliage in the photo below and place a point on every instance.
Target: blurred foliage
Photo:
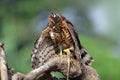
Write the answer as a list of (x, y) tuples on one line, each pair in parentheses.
[(106, 65), (18, 33)]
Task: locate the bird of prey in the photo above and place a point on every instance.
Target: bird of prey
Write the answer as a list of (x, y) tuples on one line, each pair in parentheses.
[(58, 38)]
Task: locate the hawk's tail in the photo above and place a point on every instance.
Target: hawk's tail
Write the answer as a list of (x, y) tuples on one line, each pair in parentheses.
[(85, 57)]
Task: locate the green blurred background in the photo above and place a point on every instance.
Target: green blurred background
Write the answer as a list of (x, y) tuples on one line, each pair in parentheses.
[(96, 21)]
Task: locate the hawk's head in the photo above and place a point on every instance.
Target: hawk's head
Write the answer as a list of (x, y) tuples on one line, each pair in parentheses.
[(55, 22)]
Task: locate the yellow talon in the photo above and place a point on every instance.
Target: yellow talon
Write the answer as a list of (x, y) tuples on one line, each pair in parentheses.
[(67, 50), (68, 56)]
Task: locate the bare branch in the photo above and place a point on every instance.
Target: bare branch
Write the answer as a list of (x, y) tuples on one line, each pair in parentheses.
[(89, 73), (3, 67)]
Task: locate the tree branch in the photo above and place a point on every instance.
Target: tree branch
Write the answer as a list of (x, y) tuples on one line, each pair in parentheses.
[(3, 68), (56, 64)]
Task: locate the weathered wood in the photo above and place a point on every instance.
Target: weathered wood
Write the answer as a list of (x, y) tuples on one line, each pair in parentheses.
[(56, 64), (3, 67)]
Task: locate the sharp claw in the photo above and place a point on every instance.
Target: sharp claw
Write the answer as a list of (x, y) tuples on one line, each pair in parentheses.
[(67, 50)]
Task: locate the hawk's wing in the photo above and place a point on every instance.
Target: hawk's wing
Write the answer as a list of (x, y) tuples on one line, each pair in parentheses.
[(79, 49), (43, 49)]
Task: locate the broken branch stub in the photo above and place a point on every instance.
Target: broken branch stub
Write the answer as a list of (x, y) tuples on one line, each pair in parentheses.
[(3, 67)]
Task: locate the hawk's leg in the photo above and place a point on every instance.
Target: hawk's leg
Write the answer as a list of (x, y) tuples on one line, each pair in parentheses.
[(68, 59), (60, 52)]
